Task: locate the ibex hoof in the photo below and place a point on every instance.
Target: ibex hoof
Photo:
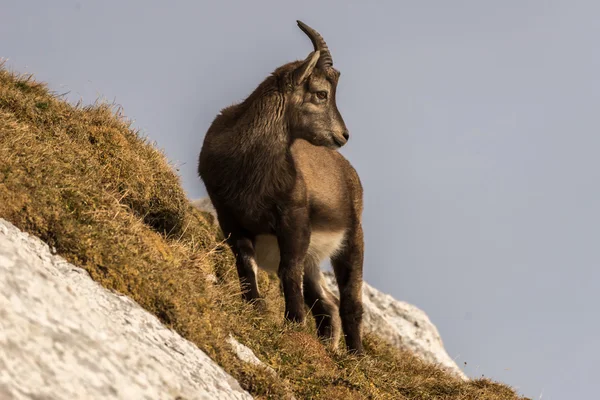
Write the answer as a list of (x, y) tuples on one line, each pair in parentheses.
[(259, 304), (295, 317), (356, 350)]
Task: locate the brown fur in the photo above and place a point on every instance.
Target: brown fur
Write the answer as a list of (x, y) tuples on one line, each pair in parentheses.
[(270, 167)]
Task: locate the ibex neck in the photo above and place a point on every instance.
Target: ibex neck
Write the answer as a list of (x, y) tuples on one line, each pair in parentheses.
[(264, 167), (261, 120)]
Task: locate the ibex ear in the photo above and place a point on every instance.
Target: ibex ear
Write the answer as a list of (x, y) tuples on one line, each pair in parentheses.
[(303, 71)]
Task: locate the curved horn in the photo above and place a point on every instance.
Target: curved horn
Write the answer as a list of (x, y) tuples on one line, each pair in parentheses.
[(325, 61)]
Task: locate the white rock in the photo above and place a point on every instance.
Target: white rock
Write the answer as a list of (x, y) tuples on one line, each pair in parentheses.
[(402, 324), (204, 204), (246, 354), (63, 336)]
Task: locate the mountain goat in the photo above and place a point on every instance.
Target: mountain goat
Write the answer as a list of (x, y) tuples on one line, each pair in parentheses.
[(285, 198)]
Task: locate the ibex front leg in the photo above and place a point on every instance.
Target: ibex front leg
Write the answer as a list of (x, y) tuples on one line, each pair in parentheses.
[(348, 265), (294, 238)]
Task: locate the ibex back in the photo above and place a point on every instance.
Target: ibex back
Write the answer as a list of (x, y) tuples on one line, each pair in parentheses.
[(285, 198)]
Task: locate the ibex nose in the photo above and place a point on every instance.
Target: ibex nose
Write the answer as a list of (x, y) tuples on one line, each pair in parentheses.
[(346, 135)]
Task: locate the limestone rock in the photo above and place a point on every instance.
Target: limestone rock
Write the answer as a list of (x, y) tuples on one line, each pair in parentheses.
[(63, 336), (246, 354), (403, 325)]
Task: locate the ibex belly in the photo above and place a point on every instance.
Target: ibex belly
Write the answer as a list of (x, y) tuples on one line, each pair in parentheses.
[(323, 244)]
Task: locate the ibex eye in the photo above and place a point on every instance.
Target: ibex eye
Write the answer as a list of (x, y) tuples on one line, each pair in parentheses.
[(322, 95)]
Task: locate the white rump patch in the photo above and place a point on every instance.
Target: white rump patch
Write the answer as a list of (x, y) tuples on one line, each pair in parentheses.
[(323, 245)]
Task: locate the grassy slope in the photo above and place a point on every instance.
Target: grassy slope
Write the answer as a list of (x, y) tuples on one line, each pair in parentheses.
[(84, 182)]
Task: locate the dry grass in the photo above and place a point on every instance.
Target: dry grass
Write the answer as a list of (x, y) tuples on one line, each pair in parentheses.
[(84, 182)]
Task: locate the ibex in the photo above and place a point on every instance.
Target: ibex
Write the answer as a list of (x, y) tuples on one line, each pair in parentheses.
[(285, 198)]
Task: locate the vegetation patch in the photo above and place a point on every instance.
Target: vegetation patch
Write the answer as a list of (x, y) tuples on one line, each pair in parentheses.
[(81, 179)]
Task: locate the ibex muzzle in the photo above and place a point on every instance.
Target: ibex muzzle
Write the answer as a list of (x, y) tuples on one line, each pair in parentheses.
[(285, 199)]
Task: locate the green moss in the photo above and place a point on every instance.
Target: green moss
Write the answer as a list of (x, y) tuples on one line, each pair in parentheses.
[(42, 105)]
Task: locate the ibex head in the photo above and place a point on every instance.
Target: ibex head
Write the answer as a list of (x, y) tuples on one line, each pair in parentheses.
[(311, 85)]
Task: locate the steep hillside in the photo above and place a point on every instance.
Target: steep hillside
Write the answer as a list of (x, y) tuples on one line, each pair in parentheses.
[(105, 199), (399, 323)]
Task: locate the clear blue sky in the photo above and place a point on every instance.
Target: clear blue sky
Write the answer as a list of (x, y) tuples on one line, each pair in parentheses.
[(474, 127)]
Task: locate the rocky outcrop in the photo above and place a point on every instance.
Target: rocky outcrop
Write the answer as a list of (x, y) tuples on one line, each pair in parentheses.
[(403, 325), (63, 336)]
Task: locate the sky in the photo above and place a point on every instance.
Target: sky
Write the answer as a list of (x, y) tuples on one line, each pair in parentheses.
[(474, 129)]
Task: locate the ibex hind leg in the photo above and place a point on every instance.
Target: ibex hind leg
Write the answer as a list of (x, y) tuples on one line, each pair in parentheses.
[(248, 272), (322, 304), (348, 266), (242, 247)]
